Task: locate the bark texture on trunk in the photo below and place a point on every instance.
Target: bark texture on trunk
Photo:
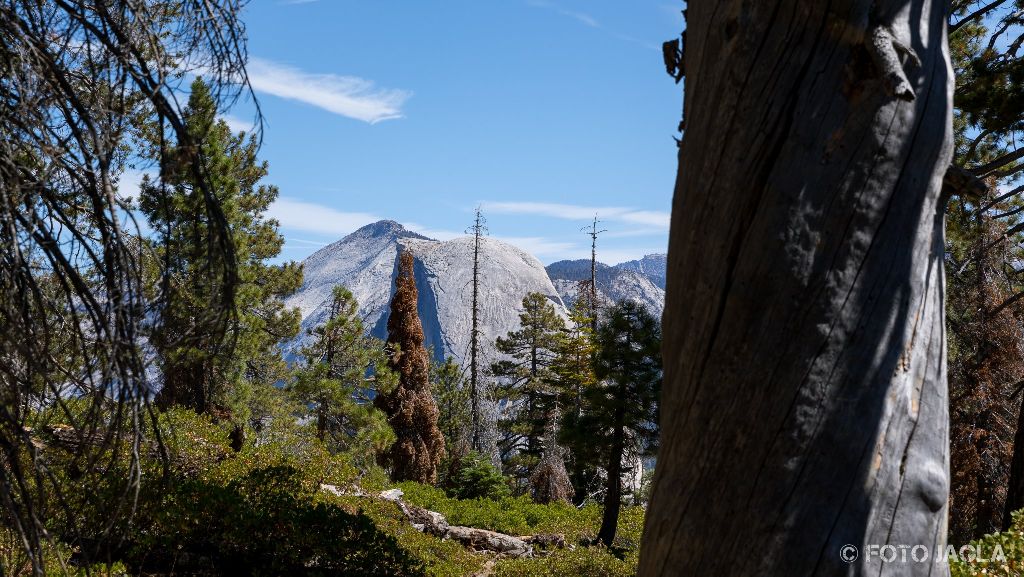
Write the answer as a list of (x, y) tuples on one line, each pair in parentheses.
[(805, 405), (613, 493)]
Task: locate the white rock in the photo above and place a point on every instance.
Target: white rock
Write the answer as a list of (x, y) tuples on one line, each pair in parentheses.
[(366, 263), (392, 495)]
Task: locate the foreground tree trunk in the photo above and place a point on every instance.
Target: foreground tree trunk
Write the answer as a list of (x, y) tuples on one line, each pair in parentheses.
[(805, 403), (613, 492)]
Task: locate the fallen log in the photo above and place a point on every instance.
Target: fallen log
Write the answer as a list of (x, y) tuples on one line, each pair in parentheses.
[(476, 539), (471, 537)]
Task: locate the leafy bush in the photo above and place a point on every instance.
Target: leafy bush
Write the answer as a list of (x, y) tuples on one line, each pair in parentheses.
[(205, 509), (994, 554), (265, 522), (479, 478)]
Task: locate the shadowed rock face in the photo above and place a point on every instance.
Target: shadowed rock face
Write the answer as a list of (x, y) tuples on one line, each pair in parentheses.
[(366, 260)]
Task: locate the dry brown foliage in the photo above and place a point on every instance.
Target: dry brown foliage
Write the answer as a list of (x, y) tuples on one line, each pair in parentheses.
[(410, 407)]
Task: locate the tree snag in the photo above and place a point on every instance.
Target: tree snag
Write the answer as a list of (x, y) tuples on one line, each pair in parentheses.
[(805, 401)]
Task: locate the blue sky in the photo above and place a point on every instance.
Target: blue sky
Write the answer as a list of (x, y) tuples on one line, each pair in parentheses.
[(543, 112)]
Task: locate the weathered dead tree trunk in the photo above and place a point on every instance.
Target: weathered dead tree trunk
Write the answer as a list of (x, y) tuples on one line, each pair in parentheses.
[(804, 405), (475, 539)]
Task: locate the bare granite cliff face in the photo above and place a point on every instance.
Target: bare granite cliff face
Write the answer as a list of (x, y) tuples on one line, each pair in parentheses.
[(365, 262)]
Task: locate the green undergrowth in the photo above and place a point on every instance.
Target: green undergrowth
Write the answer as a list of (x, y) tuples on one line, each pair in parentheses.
[(583, 561), (440, 557), (205, 509), (1000, 554), (521, 516)]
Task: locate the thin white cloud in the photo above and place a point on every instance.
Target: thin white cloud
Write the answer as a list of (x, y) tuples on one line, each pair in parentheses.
[(581, 17), (237, 124), (348, 96), (633, 233), (128, 183), (297, 215), (551, 209), (435, 233), (590, 21), (651, 218), (304, 242)]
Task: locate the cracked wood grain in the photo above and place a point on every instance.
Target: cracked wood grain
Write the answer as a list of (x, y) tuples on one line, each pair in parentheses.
[(805, 403)]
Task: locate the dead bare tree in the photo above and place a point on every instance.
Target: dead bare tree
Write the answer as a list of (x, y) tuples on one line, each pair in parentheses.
[(478, 229), (593, 233)]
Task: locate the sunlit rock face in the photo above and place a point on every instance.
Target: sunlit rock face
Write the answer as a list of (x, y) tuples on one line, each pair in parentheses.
[(365, 262), (640, 280)]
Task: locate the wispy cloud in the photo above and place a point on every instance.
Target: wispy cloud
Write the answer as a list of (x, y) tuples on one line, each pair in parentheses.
[(648, 217), (237, 124), (304, 242), (348, 96), (301, 216), (575, 15), (588, 20), (435, 233), (651, 218), (129, 182)]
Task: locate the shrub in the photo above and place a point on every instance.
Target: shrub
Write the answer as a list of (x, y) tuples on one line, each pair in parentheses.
[(440, 557), (264, 523), (994, 554), (478, 478), (521, 516), (588, 561)]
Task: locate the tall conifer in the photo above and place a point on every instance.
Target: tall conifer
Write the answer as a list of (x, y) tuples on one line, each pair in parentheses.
[(410, 406), (526, 385), (201, 369)]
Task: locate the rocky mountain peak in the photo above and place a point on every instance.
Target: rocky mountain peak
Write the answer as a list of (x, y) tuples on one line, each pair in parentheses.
[(384, 229)]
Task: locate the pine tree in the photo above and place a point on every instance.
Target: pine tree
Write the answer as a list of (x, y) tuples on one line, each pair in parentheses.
[(620, 413), (984, 367), (525, 384), (335, 382), (573, 370), (454, 418), (983, 245), (412, 412), (196, 371)]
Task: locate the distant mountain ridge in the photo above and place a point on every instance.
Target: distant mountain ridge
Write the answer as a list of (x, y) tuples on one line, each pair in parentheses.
[(653, 266), (366, 262), (642, 281)]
